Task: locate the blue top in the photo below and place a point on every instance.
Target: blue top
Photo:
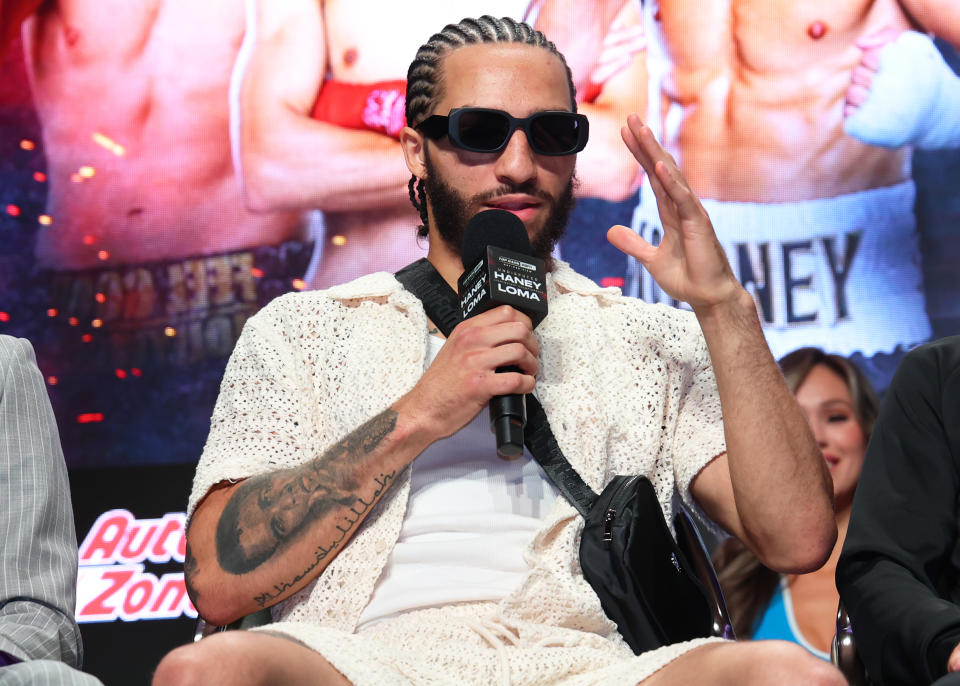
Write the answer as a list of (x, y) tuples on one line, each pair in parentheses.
[(778, 621)]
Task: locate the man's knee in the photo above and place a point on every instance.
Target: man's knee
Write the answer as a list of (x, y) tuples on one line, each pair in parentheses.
[(246, 658), (781, 662), (181, 667), (204, 663)]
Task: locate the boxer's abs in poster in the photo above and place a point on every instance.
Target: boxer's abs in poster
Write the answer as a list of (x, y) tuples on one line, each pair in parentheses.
[(168, 167), (804, 128)]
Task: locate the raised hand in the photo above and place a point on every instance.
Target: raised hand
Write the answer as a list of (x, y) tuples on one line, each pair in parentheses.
[(689, 264)]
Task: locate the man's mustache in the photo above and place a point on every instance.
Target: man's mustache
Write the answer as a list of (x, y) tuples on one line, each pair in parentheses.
[(526, 188)]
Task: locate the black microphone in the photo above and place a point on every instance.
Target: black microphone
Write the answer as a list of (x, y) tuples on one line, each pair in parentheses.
[(500, 271)]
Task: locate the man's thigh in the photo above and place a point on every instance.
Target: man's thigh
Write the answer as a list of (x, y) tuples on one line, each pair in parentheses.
[(745, 663), (245, 658)]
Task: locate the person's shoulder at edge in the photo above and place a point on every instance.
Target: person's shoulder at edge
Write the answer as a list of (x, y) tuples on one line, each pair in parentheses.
[(938, 359), (14, 350), (946, 350)]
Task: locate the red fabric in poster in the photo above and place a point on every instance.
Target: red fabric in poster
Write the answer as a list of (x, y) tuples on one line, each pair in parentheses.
[(14, 86), (375, 106), (12, 14)]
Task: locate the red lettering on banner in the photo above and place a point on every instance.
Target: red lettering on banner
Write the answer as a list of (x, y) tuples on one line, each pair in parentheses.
[(180, 604), (137, 552), (104, 537), (131, 595), (171, 542), (119, 537), (98, 609), (138, 595), (112, 583)]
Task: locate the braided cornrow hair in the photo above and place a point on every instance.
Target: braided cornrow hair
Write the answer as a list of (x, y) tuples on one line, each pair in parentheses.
[(425, 75)]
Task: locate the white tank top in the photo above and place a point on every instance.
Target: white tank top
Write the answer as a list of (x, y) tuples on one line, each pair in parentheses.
[(470, 516)]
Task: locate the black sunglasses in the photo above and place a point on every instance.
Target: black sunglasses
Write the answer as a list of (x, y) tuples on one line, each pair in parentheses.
[(479, 129)]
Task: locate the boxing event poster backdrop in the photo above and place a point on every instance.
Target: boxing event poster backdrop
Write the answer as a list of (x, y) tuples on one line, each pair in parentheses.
[(162, 178), (137, 236)]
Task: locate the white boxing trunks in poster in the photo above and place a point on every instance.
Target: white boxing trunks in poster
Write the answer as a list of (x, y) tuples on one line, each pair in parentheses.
[(841, 273)]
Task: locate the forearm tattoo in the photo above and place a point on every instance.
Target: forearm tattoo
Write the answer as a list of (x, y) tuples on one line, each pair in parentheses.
[(344, 528), (268, 511), (190, 568)]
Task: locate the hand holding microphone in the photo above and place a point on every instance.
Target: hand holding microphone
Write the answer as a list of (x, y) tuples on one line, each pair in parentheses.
[(499, 270)]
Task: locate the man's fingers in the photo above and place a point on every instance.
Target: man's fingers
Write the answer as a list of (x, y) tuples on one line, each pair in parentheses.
[(504, 383), (483, 337), (648, 142), (665, 204), (631, 136), (688, 207), (626, 241), (509, 355), (521, 351), (498, 315), (650, 154), (633, 145)]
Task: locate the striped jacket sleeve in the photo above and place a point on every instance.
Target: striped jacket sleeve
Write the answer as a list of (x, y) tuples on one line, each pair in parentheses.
[(38, 544)]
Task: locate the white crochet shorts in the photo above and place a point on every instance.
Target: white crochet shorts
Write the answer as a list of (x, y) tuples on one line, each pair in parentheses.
[(472, 644)]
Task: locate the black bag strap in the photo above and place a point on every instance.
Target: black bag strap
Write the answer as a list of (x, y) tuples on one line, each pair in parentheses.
[(539, 439), (441, 304)]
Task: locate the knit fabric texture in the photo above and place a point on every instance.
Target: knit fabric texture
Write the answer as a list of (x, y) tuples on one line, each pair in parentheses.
[(628, 389)]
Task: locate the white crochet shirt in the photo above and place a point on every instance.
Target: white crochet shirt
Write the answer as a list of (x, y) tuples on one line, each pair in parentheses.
[(628, 388)]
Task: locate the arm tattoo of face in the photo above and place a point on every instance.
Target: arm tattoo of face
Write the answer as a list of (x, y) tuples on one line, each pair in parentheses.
[(269, 510), (346, 521)]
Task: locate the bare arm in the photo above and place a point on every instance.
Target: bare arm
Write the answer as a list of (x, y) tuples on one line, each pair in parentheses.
[(586, 34), (230, 576), (939, 17), (289, 160), (772, 488), (256, 542)]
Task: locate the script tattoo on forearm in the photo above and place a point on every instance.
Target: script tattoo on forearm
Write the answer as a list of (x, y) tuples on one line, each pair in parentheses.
[(268, 511), (345, 527)]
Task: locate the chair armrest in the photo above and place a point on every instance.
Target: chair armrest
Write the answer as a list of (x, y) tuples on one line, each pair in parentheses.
[(843, 651), (690, 542)]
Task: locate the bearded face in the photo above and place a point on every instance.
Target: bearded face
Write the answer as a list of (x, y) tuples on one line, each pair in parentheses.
[(452, 210)]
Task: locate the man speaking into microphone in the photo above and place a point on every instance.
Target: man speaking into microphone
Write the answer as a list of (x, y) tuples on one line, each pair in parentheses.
[(503, 273), (350, 481)]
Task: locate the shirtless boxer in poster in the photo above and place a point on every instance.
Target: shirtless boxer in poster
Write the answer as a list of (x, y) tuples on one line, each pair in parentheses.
[(818, 224), (336, 152), (148, 228), (152, 263)]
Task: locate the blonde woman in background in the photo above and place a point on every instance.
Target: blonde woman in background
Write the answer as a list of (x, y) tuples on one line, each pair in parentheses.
[(841, 407)]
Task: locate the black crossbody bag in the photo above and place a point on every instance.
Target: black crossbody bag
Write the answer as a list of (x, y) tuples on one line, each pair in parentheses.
[(655, 592)]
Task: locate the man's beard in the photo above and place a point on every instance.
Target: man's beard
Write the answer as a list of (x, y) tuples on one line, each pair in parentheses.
[(452, 211)]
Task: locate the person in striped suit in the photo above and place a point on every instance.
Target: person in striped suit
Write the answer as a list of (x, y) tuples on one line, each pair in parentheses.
[(39, 638)]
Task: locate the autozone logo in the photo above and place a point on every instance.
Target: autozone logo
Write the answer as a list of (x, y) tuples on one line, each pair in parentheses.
[(112, 582)]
